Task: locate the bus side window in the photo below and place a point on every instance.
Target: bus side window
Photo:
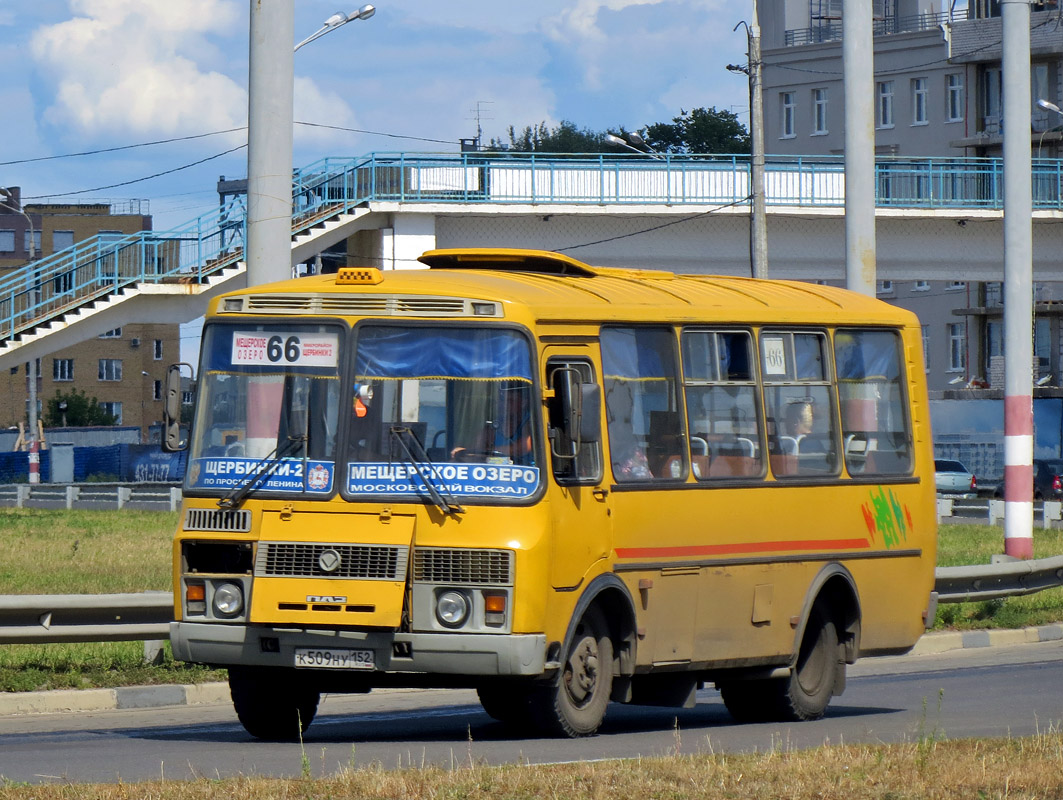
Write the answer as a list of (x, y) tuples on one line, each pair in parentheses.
[(721, 400), (799, 401), (642, 406), (573, 463), (876, 429)]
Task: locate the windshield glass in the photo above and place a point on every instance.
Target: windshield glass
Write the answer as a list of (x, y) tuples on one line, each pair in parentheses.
[(464, 394), (267, 390)]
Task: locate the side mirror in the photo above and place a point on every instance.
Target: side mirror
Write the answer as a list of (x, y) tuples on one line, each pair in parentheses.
[(173, 439), (577, 412), (589, 424)]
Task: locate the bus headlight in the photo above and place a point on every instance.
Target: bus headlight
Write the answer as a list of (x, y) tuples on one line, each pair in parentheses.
[(452, 608), (228, 600)]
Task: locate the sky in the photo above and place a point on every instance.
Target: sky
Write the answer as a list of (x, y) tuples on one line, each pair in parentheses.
[(161, 85)]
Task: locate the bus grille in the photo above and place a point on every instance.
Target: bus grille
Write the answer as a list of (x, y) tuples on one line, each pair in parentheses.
[(352, 561), (215, 519), (380, 305), (461, 566)]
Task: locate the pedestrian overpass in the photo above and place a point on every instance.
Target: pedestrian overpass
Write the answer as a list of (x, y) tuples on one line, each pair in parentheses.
[(935, 219)]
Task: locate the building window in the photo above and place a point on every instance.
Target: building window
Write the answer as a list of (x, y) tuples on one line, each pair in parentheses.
[(61, 240), (884, 104), (110, 369), (789, 105), (62, 369), (919, 101), (819, 112), (157, 350), (36, 241), (114, 334), (954, 97), (954, 285), (156, 390), (114, 409), (992, 87), (885, 287), (957, 347), (7, 241), (921, 286)]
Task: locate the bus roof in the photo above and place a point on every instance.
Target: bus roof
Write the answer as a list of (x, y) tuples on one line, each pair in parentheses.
[(555, 287)]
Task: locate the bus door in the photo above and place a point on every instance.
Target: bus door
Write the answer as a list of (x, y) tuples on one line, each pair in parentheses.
[(579, 502)]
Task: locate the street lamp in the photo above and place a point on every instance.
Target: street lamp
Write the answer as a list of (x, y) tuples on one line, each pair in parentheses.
[(1047, 106), (637, 145), (338, 20), (31, 366)]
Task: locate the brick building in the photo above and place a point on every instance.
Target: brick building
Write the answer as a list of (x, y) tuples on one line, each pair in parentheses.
[(123, 369)]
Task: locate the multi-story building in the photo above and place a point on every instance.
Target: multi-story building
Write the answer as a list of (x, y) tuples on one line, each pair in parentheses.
[(938, 93), (124, 369)]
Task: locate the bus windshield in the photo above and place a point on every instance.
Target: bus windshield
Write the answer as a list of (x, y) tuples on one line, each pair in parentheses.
[(448, 406), (267, 411)]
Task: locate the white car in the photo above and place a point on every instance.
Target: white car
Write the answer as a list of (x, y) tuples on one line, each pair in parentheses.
[(953, 479)]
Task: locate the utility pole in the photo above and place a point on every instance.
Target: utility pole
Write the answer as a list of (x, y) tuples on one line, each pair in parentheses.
[(859, 89), (758, 229), (1018, 282), (270, 115)]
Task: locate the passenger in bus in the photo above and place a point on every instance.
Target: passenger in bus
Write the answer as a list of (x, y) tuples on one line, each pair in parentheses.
[(799, 422)]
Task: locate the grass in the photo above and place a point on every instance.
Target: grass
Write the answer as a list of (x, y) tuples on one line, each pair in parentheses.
[(87, 552), (997, 768), (95, 552)]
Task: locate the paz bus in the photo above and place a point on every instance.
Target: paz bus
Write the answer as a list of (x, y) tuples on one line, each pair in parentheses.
[(558, 484)]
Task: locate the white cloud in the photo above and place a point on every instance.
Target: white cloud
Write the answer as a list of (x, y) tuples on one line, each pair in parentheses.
[(129, 66)]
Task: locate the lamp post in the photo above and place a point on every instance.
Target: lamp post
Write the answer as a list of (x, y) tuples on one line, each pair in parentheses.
[(31, 366), (270, 118)]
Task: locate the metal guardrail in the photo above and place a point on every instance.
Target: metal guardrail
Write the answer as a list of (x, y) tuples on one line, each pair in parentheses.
[(1003, 579), (50, 618), (91, 495), (45, 618)]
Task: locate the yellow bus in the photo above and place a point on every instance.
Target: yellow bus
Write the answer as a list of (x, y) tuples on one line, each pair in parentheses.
[(559, 484)]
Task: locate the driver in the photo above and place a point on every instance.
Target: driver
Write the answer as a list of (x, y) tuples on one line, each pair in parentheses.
[(510, 437)]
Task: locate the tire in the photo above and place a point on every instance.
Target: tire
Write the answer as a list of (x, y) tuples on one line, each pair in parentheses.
[(805, 694), (506, 703), (574, 703), (272, 704)]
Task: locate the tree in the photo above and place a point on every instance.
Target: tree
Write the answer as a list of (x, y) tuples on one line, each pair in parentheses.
[(702, 130), (565, 138), (80, 411)]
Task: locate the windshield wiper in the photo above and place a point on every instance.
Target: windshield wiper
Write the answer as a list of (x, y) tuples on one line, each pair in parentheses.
[(419, 459), (271, 462)]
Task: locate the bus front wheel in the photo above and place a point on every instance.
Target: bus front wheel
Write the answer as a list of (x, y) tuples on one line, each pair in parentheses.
[(574, 703), (271, 704)]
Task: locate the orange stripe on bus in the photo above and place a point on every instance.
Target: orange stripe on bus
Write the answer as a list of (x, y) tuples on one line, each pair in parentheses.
[(741, 547)]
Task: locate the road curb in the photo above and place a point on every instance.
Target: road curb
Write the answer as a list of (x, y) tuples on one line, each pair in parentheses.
[(72, 700)]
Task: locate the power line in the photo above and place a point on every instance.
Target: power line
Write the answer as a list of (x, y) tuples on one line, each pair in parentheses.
[(374, 133), (137, 180), (120, 147)]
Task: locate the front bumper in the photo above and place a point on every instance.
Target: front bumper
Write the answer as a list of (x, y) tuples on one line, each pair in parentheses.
[(441, 653)]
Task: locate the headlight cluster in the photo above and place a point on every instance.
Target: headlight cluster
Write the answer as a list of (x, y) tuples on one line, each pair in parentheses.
[(470, 608), (226, 598)]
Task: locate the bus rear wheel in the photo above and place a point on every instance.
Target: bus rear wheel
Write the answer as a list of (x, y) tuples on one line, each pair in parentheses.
[(802, 696), (574, 703), (272, 704)]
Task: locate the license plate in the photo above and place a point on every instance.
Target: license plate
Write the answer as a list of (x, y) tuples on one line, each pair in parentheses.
[(322, 658)]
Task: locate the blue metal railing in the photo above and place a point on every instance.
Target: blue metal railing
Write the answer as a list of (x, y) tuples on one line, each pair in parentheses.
[(107, 263)]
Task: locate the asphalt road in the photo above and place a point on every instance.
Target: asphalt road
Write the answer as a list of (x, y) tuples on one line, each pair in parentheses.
[(997, 691)]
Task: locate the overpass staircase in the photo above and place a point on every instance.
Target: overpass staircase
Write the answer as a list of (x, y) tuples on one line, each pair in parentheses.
[(110, 280)]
